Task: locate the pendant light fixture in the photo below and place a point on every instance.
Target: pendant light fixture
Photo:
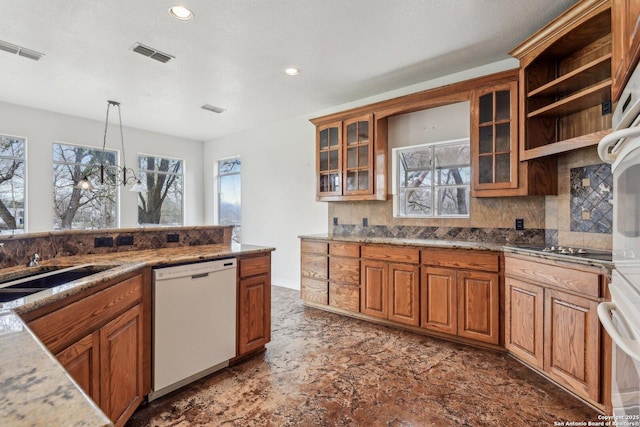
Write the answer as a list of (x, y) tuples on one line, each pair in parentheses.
[(117, 175)]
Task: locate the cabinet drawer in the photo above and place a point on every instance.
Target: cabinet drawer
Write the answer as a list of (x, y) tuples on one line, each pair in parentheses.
[(344, 296), (315, 266), (310, 247), (254, 266), (61, 328), (345, 249), (561, 276), (344, 270), (391, 253), (462, 259), (314, 290)]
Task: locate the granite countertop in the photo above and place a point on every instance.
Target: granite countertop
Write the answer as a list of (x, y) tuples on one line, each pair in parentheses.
[(596, 258), (34, 388), (453, 244)]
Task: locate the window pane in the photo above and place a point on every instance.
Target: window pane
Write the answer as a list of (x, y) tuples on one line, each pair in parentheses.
[(12, 184), (453, 201), (81, 209), (417, 202), (162, 202), (230, 186), (429, 171)]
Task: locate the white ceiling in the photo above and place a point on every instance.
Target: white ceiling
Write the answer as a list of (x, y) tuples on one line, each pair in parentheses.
[(233, 52)]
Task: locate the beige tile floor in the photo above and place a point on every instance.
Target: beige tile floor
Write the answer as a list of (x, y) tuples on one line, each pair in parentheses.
[(323, 369)]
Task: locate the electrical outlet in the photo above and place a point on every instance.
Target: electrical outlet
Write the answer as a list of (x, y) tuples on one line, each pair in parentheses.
[(103, 242), (519, 223), (173, 238), (606, 107), (365, 222), (335, 220), (124, 240)]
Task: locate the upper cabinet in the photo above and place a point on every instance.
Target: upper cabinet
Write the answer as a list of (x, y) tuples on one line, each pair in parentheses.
[(625, 41), (494, 147), (565, 81), (351, 157)]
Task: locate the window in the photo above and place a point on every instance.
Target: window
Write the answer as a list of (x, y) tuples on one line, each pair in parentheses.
[(12, 183), (229, 192), (432, 180), (162, 202), (80, 209)]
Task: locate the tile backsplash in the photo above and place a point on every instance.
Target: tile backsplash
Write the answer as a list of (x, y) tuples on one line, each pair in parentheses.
[(592, 199)]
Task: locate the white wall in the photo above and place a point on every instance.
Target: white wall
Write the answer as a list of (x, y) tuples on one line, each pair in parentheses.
[(278, 190), (42, 128), (278, 173)]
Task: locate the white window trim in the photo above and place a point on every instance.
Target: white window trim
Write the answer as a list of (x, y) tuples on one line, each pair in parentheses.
[(395, 179)]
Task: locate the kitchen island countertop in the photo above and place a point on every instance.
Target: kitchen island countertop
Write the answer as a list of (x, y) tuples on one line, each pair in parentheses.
[(34, 388)]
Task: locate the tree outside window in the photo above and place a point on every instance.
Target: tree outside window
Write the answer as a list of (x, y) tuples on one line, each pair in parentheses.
[(81, 209), (229, 194), (432, 180), (12, 165), (162, 202)]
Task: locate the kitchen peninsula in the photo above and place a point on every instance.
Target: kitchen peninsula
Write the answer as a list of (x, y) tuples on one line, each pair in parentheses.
[(36, 389)]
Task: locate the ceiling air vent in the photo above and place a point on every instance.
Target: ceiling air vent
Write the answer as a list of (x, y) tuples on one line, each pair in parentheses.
[(213, 108), (152, 53), (18, 50)]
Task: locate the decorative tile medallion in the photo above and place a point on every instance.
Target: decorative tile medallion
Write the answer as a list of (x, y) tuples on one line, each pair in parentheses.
[(592, 199)]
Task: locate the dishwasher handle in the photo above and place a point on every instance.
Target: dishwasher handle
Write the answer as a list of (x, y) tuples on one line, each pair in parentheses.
[(199, 276)]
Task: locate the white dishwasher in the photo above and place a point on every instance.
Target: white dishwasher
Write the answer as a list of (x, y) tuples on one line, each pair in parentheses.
[(194, 322)]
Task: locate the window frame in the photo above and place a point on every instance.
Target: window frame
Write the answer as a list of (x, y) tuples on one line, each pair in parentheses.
[(433, 187), (116, 164), (24, 185), (140, 173), (219, 189)]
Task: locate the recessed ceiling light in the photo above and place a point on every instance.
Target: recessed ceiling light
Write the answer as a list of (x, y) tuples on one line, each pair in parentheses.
[(292, 71), (180, 12)]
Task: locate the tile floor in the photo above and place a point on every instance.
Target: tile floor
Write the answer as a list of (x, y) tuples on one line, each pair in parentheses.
[(321, 369)]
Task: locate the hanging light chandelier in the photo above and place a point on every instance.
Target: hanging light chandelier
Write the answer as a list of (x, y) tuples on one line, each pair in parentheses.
[(114, 174)]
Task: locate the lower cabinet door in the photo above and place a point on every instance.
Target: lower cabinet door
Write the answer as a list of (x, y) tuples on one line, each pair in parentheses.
[(254, 307), (478, 306), (121, 358), (373, 288), (524, 321), (438, 300), (82, 361), (572, 345), (404, 293)]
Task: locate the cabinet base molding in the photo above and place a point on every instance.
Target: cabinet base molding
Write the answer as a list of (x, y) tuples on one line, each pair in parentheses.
[(405, 327)]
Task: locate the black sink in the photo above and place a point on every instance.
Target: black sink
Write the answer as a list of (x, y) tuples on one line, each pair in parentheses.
[(33, 282)]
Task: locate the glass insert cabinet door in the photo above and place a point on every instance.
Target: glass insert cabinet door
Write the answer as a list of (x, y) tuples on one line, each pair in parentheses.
[(358, 147), (329, 158), (494, 137)]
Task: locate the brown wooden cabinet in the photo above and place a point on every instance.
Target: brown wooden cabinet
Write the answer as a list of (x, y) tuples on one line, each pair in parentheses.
[(314, 271), (552, 323), (572, 344), (565, 81), (625, 42), (439, 300), (344, 276), (254, 303), (494, 147), (351, 158), (462, 303), (102, 338), (460, 293), (524, 321), (390, 283)]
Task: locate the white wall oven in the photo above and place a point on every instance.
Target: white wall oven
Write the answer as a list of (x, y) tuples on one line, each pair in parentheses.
[(621, 316)]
